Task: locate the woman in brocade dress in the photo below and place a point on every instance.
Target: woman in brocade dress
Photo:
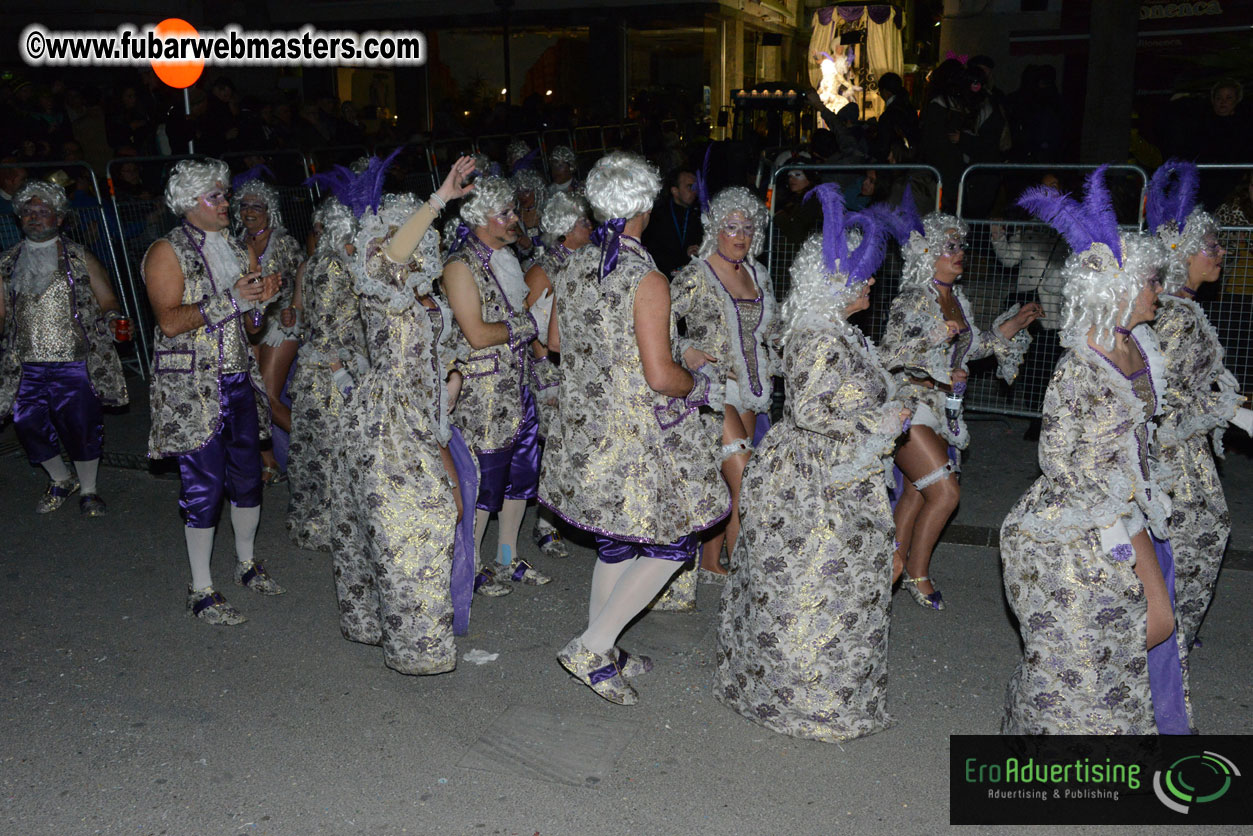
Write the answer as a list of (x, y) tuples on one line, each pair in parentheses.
[(393, 555), (258, 226), (566, 229), (725, 298), (1201, 395), (929, 341), (1082, 574), (333, 351), (802, 636)]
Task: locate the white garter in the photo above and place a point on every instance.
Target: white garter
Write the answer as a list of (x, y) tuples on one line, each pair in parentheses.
[(740, 445), (935, 476)]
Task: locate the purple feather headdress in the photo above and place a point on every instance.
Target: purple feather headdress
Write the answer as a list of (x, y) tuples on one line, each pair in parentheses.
[(1172, 203), (861, 263), (900, 220), (702, 181), (1081, 224), (358, 192), (253, 173)]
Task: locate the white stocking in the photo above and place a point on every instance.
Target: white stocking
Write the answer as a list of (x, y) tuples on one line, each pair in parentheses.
[(199, 553), (480, 528), (637, 586), (57, 471), (87, 475), (244, 521), (605, 577)]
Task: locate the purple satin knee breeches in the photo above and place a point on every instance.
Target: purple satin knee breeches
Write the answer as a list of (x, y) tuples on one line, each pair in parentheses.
[(512, 473), (229, 465), (56, 405)]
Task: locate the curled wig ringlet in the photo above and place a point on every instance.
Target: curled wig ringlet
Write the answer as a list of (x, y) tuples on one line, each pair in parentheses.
[(1173, 215), (491, 196), (52, 195), (527, 180), (1099, 294), (268, 195), (561, 212), (192, 178), (726, 203), (818, 295), (622, 185), (922, 251), (394, 210), (563, 154), (515, 151), (338, 225)]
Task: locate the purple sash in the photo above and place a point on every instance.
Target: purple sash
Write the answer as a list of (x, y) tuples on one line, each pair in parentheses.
[(1165, 670), (462, 580)]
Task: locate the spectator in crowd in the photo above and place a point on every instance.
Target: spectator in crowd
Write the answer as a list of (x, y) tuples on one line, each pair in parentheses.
[(1035, 113), (945, 115), (129, 124), (674, 233), (12, 178), (899, 120), (795, 217), (220, 129), (1236, 311), (1223, 135)]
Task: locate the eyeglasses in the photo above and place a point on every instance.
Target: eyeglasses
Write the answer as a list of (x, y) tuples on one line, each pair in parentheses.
[(36, 212), (734, 230)]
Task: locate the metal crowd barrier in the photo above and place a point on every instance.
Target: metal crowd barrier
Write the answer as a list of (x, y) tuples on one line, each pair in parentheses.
[(789, 230), (1017, 260), (92, 224), (1229, 304)]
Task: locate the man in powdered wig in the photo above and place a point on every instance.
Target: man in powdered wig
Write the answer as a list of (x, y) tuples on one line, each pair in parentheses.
[(496, 410), (209, 408), (58, 320)]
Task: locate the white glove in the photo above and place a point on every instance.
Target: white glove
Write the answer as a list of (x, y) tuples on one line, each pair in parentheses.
[(1244, 419)]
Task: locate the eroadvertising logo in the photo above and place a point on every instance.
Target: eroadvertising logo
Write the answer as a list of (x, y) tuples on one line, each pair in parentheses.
[(1210, 774), (1098, 780)]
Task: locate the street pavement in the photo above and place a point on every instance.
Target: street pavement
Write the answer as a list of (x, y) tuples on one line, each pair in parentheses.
[(121, 715)]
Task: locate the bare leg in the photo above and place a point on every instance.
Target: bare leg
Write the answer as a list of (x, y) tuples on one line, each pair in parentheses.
[(732, 473), (907, 508), (924, 453), (275, 364), (1149, 571)]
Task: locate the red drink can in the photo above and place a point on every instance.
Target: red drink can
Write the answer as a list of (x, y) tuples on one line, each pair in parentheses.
[(122, 330)]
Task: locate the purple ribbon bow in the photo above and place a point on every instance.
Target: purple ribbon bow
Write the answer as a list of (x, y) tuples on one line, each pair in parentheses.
[(607, 236)]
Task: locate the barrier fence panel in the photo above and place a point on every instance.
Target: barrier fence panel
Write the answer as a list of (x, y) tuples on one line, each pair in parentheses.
[(589, 146), (413, 170), (791, 223), (445, 152), (1229, 303), (322, 159), (1016, 260), (94, 224), (138, 185)]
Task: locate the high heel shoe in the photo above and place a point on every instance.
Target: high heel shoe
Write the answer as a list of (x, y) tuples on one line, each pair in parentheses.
[(934, 601)]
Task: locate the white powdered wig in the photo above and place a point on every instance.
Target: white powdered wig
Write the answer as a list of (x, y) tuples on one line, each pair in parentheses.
[(528, 180), (266, 194), (1099, 294), (1181, 246), (491, 196), (560, 214), (622, 185), (192, 178), (338, 225), (563, 154), (921, 251), (515, 151), (50, 194), (726, 203), (818, 295)]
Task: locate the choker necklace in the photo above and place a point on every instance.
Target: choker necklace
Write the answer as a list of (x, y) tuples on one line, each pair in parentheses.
[(734, 262), (1185, 289), (935, 281), (1118, 329)]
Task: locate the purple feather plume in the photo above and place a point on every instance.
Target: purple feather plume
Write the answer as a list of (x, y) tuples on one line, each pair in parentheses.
[(530, 160), (1099, 211), (861, 263), (702, 181), (834, 247), (357, 191), (253, 173), (1167, 204), (900, 220)]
